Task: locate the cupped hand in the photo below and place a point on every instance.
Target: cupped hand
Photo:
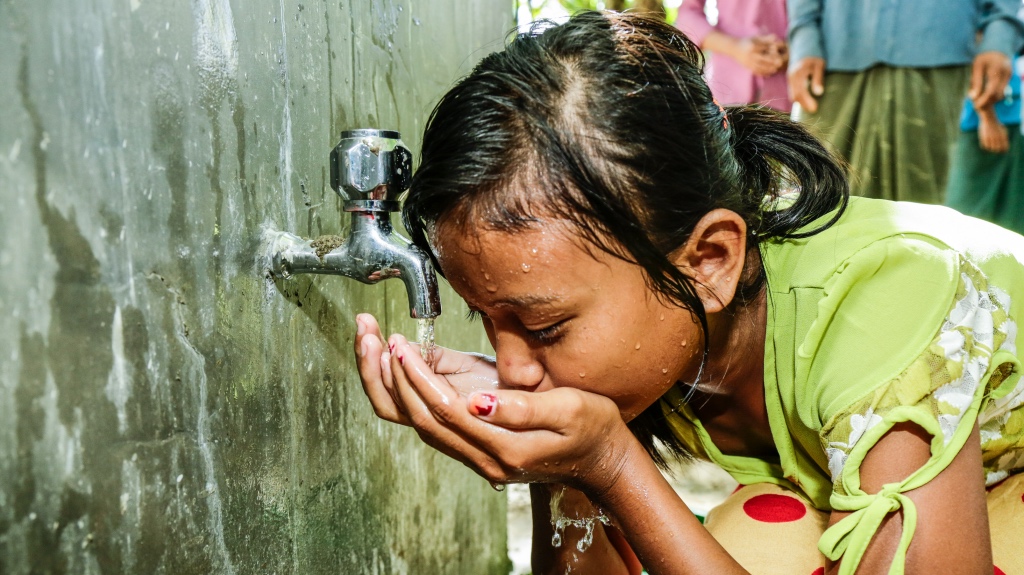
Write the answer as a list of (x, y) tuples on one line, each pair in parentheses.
[(563, 435), (466, 372), (806, 81)]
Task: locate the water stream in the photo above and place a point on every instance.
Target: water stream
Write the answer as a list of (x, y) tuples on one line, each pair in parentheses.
[(559, 522), (425, 335)]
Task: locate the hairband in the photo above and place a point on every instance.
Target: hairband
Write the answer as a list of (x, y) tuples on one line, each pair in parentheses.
[(725, 117)]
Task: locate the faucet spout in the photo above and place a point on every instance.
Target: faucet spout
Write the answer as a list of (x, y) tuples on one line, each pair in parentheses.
[(373, 252), (369, 169)]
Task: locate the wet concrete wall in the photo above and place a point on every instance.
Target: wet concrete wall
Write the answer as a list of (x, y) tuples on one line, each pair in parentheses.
[(164, 407)]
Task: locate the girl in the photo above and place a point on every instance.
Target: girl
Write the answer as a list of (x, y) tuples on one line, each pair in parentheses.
[(661, 277)]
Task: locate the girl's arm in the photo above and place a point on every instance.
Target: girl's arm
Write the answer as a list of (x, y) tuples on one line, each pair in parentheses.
[(608, 552), (662, 531), (952, 531)]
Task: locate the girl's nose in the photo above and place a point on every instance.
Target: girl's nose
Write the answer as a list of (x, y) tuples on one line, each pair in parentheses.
[(517, 365)]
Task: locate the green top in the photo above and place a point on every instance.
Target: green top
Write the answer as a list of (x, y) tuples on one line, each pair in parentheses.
[(898, 312)]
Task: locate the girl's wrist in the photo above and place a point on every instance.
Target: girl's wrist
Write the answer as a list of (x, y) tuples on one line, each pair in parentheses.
[(607, 476)]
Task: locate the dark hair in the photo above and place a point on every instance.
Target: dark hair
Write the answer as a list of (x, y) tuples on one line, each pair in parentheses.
[(607, 122)]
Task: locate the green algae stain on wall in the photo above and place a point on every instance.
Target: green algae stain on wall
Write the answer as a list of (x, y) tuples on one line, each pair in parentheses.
[(164, 406)]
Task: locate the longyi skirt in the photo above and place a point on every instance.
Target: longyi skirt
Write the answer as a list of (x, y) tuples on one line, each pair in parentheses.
[(895, 127)]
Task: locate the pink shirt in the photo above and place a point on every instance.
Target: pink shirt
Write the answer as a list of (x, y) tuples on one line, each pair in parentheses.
[(731, 83)]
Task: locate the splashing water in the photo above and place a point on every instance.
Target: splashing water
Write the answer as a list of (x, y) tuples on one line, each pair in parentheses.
[(559, 522), (425, 335)]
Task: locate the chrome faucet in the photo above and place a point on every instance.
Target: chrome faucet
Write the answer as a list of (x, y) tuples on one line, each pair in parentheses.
[(369, 170)]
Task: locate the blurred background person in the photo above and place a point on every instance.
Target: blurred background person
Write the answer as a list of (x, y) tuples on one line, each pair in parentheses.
[(986, 177), (882, 82), (748, 49)]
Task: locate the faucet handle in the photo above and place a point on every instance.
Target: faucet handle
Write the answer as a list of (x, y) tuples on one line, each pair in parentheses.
[(371, 164)]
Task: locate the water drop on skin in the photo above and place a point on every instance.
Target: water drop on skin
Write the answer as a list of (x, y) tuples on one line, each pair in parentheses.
[(526, 268), (662, 317), (487, 276), (664, 370), (583, 374), (637, 346)]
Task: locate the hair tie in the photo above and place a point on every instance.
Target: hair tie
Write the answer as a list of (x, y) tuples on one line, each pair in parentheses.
[(725, 117)]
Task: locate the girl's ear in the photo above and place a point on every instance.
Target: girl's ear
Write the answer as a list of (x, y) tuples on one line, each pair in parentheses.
[(714, 256)]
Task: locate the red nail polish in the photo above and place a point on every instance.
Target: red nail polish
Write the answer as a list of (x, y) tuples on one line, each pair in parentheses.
[(391, 347), (484, 403), (401, 359)]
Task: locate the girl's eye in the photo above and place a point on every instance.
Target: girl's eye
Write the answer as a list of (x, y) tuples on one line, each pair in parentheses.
[(548, 334)]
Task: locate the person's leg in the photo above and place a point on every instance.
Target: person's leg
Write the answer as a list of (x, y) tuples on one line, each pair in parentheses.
[(1006, 521), (770, 530)]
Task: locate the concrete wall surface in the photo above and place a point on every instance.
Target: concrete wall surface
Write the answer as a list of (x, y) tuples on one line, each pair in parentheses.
[(164, 406)]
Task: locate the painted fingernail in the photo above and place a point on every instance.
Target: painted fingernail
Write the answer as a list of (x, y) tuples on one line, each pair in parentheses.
[(401, 359), (391, 347), (484, 403)]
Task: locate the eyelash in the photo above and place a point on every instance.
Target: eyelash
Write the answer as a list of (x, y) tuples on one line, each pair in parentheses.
[(548, 334)]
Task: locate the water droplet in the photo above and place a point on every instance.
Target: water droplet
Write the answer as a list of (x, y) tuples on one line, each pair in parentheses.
[(683, 344), (583, 374), (637, 346), (664, 370), (416, 21), (662, 317), (526, 268), (487, 276)]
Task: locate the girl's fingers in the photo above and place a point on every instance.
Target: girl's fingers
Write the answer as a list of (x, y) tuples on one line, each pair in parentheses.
[(552, 410), (372, 371), (519, 410), (437, 412), (450, 361)]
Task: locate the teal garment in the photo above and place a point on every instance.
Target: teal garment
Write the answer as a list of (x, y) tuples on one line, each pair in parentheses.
[(899, 312), (990, 185), (987, 185)]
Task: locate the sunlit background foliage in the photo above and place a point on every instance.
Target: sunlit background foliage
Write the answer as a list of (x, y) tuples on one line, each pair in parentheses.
[(530, 10)]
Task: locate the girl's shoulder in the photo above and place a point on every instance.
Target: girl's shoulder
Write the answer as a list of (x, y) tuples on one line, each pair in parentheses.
[(869, 225)]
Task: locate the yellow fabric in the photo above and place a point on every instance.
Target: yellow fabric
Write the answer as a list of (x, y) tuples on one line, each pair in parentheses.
[(899, 312), (788, 548)]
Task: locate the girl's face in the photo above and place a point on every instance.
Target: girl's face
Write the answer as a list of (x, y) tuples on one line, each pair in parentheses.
[(560, 315)]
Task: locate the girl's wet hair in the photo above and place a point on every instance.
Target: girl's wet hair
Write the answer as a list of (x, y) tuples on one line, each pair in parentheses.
[(606, 122)]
